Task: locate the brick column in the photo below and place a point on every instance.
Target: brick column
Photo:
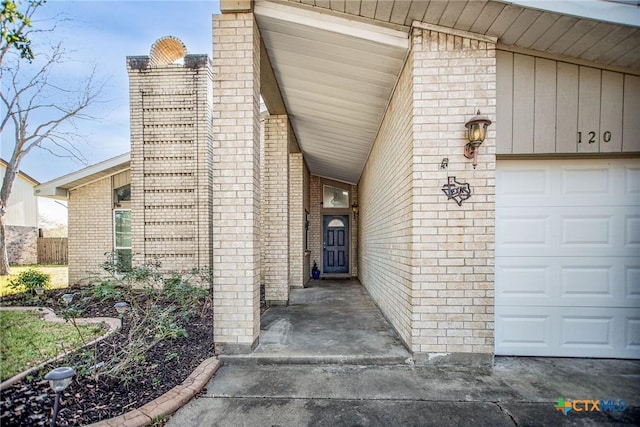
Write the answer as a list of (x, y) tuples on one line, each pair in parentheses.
[(171, 161), (276, 210), (296, 220), (453, 258), (236, 182)]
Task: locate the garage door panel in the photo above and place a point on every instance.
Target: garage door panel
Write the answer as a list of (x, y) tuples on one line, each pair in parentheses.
[(586, 331), (632, 334), (568, 258), (632, 232), (568, 281), (561, 231), (586, 182), (568, 332), (632, 288), (524, 283), (597, 332), (631, 180), (525, 183), (523, 231), (594, 282), (528, 328), (585, 282), (591, 231), (567, 183)]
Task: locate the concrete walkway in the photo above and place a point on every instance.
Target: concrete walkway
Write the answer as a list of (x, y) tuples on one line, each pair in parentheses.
[(330, 359), (331, 321)]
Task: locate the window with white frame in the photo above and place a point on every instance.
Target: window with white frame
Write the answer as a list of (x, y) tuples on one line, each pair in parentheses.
[(122, 239)]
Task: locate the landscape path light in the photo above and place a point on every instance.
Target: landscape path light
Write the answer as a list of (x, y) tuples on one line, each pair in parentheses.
[(121, 308), (59, 379), (67, 298)]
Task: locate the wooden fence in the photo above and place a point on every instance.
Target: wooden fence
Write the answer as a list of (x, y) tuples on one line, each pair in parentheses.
[(53, 250)]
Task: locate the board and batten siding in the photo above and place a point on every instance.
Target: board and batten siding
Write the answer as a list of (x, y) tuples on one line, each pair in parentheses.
[(546, 106)]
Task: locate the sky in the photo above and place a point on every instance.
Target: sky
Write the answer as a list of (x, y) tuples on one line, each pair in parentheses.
[(102, 34)]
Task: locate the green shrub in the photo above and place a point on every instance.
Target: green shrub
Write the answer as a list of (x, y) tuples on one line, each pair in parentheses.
[(30, 279), (160, 305)]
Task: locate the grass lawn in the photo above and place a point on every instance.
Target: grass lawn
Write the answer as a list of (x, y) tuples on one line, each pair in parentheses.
[(26, 340), (59, 277)]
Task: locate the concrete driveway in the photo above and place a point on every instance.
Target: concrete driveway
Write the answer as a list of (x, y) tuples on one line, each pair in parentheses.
[(331, 359)]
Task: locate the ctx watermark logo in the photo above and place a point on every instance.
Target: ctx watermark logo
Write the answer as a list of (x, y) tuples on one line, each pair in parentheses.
[(589, 405)]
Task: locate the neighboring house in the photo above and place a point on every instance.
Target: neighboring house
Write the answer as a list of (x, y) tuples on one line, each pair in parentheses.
[(21, 220), (360, 166)]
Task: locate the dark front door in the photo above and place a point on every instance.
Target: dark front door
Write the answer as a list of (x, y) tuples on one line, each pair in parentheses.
[(336, 244)]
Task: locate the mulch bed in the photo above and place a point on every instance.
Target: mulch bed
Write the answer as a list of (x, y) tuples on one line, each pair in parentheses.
[(169, 363)]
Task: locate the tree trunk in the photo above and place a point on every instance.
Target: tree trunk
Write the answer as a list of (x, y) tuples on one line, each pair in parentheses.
[(4, 259), (5, 192)]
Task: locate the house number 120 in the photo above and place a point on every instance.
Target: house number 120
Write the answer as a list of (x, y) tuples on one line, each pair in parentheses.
[(606, 137)]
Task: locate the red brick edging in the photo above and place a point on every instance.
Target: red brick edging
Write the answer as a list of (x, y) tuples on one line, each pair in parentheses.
[(169, 402)]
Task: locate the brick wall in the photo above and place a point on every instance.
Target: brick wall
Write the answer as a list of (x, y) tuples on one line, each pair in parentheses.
[(236, 182), (263, 205), (90, 210), (427, 262), (296, 220), (386, 212), (22, 244), (306, 182), (171, 158), (315, 221), (275, 229), (453, 246)]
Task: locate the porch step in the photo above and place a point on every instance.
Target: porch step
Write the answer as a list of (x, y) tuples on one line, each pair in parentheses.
[(357, 360)]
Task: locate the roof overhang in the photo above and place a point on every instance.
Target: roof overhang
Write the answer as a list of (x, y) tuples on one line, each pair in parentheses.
[(59, 188), (24, 176), (336, 63)]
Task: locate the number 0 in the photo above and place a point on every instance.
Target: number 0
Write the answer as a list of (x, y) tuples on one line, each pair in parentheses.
[(606, 137)]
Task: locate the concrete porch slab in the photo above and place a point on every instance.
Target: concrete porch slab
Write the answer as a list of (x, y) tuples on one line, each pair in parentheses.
[(330, 321), (517, 392)]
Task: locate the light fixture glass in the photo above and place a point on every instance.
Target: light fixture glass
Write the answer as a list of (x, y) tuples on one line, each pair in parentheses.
[(60, 378), (67, 298), (39, 291), (121, 307), (476, 133)]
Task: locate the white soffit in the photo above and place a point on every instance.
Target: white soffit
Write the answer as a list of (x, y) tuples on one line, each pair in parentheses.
[(336, 77), (58, 187)]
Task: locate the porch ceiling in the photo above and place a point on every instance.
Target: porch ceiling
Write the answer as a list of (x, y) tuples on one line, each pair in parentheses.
[(336, 78), (336, 62)]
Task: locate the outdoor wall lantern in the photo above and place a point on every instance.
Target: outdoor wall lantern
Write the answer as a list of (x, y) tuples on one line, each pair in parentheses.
[(59, 379), (354, 210), (476, 133)]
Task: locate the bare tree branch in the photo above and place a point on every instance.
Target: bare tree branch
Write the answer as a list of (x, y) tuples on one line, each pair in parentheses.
[(38, 120)]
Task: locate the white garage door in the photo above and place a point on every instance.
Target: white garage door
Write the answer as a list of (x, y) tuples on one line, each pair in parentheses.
[(568, 258)]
